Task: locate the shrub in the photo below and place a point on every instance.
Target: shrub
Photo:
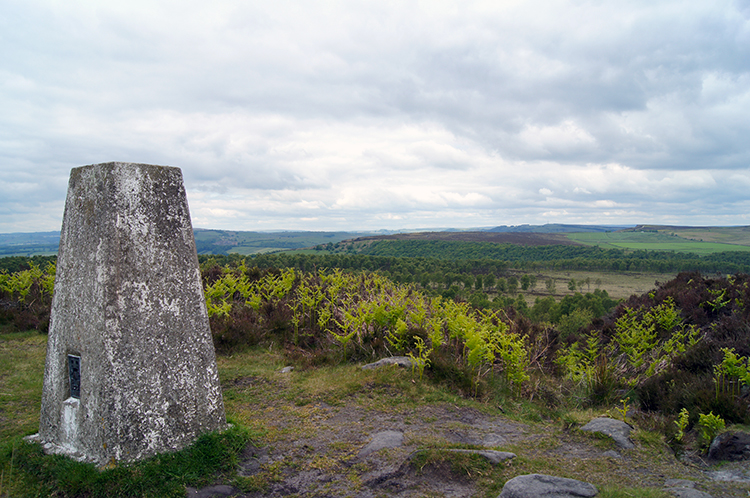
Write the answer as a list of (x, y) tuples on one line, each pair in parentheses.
[(710, 426)]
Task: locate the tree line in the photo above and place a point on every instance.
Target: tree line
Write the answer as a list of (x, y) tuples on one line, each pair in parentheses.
[(552, 257)]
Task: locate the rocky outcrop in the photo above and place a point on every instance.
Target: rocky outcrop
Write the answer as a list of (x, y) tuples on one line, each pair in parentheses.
[(416, 453)]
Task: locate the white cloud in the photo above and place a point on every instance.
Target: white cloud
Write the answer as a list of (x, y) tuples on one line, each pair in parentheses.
[(291, 114), (564, 138)]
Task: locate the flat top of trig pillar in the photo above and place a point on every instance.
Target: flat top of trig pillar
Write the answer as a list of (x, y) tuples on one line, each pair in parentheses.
[(118, 164)]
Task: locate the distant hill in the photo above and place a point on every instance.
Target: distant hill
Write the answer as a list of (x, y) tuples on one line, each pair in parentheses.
[(519, 238), (29, 244), (206, 241), (558, 228), (209, 241), (244, 242)]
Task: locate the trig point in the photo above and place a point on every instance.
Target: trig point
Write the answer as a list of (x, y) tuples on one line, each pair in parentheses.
[(131, 369)]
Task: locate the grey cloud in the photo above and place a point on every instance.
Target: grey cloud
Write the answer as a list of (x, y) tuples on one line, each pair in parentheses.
[(253, 99)]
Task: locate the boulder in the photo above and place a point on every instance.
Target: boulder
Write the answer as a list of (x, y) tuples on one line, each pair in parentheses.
[(732, 446), (400, 361), (616, 429), (540, 485)]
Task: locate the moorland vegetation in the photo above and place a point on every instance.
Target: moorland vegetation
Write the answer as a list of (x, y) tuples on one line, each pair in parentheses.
[(674, 359), (682, 345)]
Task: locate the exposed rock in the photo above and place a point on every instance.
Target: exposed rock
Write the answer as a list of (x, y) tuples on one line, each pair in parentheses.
[(679, 483), (493, 440), (494, 457), (401, 361), (340, 432), (474, 438), (612, 454), (286, 370), (733, 446), (381, 440), (687, 493), (682, 488), (538, 485), (729, 474), (616, 429), (380, 476)]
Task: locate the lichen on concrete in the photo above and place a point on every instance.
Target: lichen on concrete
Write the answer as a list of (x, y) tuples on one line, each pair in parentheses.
[(128, 300)]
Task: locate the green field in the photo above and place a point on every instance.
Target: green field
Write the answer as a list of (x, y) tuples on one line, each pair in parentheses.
[(662, 240), (248, 251), (724, 235)]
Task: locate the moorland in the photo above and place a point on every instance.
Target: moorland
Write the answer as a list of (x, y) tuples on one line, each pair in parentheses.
[(542, 330)]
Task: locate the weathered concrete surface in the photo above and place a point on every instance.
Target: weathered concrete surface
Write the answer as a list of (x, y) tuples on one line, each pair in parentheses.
[(128, 300)]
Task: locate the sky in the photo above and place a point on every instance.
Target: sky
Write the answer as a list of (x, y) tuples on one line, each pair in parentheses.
[(366, 115)]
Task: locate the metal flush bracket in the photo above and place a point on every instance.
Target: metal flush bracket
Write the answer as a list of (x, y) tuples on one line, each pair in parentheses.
[(74, 373)]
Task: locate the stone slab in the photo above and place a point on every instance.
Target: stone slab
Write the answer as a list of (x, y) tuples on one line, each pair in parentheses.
[(540, 485)]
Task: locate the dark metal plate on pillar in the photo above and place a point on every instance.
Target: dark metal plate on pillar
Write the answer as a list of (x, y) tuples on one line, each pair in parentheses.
[(74, 371)]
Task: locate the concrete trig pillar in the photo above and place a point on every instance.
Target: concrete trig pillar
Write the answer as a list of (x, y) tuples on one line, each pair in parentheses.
[(131, 369)]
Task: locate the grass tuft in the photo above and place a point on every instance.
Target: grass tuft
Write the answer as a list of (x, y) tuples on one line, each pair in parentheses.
[(212, 456)]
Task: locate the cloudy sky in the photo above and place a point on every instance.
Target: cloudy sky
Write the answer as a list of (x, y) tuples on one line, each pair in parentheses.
[(363, 115)]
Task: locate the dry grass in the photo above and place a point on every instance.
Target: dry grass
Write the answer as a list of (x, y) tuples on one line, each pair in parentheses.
[(619, 285)]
